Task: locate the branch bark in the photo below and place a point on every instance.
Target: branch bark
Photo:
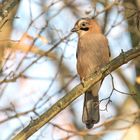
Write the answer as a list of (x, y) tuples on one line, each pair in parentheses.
[(36, 124), (6, 8)]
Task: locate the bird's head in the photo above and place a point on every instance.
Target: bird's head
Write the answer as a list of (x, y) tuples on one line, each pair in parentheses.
[(86, 25)]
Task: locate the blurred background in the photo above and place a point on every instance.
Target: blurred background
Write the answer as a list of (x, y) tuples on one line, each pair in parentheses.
[(38, 67)]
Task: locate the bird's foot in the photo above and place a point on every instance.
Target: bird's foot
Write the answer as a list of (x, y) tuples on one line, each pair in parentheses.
[(83, 81)]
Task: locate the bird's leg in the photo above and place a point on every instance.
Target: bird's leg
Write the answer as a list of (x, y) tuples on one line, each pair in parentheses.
[(83, 81)]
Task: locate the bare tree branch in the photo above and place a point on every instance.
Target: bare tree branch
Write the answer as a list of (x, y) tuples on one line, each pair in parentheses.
[(6, 8), (76, 92)]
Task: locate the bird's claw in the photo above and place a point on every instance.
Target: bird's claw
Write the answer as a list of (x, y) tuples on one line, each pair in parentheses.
[(83, 82)]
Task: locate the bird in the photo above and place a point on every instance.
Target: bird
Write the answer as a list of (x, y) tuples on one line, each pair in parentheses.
[(92, 54)]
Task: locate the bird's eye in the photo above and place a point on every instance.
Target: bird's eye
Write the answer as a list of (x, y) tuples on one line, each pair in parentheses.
[(84, 24)]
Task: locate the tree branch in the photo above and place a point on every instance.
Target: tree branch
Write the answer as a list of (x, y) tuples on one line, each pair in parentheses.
[(5, 9), (36, 124)]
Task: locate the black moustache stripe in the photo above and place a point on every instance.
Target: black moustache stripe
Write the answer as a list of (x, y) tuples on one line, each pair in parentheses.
[(85, 29)]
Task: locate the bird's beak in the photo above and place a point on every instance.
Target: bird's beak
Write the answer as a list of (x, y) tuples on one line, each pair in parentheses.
[(74, 29)]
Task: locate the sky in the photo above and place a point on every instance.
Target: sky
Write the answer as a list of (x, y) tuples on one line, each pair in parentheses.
[(25, 93)]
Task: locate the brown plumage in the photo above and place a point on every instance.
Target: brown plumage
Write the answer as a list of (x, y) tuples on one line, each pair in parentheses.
[(92, 54)]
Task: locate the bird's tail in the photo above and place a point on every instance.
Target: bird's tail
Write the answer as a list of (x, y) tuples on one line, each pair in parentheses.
[(90, 110)]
